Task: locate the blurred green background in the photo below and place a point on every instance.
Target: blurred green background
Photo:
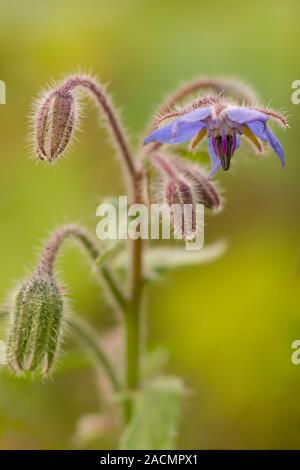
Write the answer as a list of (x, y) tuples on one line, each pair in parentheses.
[(228, 325)]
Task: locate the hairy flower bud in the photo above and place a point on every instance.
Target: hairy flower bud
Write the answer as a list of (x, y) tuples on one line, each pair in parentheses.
[(57, 115), (186, 189), (204, 189), (54, 123), (178, 192), (37, 322), (180, 199)]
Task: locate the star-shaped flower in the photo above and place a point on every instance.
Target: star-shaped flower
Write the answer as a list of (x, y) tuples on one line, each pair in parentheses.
[(223, 123)]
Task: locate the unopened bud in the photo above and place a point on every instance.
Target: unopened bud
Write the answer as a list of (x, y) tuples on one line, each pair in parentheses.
[(54, 123), (36, 327), (180, 199), (204, 189), (178, 192)]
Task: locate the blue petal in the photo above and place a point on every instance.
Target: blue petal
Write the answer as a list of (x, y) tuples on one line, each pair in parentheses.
[(215, 160), (162, 135), (266, 135), (244, 115), (181, 130), (185, 131), (258, 128), (276, 145), (197, 115), (175, 133)]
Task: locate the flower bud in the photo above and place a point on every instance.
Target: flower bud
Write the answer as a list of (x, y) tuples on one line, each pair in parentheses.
[(54, 123), (204, 189), (179, 197), (37, 321), (178, 192)]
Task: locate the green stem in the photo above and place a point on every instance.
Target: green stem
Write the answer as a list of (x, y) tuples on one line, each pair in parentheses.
[(90, 341), (133, 317), (118, 296), (132, 306), (87, 241), (107, 275), (133, 312)]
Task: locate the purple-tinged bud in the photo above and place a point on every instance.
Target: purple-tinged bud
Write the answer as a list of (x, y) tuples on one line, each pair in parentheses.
[(204, 189), (179, 197), (36, 326), (57, 114), (54, 123), (178, 192)]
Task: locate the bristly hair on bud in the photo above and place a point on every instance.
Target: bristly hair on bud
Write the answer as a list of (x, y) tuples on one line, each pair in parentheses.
[(206, 191), (203, 189), (55, 120), (39, 309), (210, 88), (179, 197), (185, 187), (36, 325), (57, 116)]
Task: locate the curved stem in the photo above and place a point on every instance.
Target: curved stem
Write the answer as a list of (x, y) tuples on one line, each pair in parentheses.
[(130, 306), (83, 236), (110, 113), (90, 341), (233, 88)]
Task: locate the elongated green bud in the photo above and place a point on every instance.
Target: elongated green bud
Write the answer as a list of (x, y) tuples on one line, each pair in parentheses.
[(37, 322), (38, 310)]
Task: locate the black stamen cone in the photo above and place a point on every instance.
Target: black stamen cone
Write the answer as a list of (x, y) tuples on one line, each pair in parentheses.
[(225, 161), (225, 158)]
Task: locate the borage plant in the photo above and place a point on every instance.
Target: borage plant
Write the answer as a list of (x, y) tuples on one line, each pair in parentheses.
[(223, 111)]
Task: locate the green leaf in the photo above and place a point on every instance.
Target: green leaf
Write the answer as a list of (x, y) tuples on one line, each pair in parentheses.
[(156, 416), (161, 259), (154, 362)]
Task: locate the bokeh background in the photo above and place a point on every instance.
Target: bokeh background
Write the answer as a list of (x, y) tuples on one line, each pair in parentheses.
[(229, 325)]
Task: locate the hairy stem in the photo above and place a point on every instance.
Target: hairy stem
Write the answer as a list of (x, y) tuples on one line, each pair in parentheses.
[(87, 241), (133, 313), (241, 92), (111, 115), (133, 317), (131, 306), (236, 89)]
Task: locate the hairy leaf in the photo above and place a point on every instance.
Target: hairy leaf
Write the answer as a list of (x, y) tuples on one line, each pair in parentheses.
[(161, 259), (156, 416)]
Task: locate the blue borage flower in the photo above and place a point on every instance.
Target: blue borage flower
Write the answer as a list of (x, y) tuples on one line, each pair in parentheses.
[(223, 123)]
